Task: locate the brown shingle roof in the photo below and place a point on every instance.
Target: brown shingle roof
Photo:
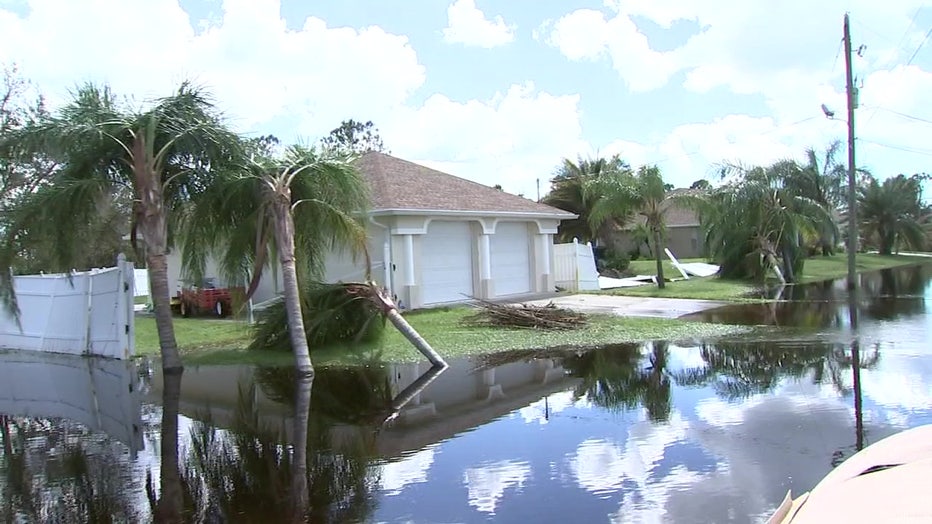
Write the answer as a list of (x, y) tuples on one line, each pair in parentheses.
[(397, 184)]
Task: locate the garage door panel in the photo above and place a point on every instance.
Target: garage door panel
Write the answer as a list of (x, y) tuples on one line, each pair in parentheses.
[(446, 262), (511, 258)]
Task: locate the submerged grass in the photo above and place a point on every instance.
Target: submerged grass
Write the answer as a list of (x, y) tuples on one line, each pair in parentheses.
[(205, 341), (713, 288)]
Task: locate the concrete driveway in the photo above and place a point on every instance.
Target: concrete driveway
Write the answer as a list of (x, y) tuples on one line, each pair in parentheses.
[(631, 306)]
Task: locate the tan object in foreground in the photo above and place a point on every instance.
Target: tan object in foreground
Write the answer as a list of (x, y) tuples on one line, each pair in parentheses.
[(888, 481)]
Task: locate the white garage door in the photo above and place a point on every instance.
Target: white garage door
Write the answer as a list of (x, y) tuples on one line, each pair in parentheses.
[(511, 258), (446, 262)]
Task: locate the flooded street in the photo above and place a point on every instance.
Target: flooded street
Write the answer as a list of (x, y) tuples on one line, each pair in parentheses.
[(665, 431)]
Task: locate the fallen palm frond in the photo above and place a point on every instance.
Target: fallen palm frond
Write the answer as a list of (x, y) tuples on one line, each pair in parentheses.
[(332, 313), (548, 317)]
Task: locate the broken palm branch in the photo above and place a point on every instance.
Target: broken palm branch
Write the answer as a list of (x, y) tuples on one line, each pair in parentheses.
[(332, 314), (390, 311), (527, 316)]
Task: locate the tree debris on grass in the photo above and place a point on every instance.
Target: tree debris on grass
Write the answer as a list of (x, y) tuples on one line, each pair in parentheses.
[(527, 316)]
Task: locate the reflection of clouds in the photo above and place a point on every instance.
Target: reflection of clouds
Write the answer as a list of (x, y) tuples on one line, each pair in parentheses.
[(409, 470), (765, 445), (487, 483), (899, 382), (603, 467), (598, 466), (684, 358), (540, 410)]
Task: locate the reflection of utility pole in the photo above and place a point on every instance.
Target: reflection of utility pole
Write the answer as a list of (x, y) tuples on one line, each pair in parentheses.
[(852, 196), (856, 370)]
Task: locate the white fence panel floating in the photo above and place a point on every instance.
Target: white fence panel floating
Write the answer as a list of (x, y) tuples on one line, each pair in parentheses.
[(84, 313)]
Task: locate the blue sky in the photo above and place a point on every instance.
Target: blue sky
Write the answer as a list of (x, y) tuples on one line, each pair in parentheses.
[(500, 91)]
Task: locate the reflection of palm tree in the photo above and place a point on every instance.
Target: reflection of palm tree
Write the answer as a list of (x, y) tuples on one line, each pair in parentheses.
[(168, 507), (244, 473), (613, 378), (737, 370), (71, 484), (657, 396)]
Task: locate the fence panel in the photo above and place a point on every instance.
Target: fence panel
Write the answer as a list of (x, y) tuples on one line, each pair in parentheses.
[(85, 313), (574, 267)]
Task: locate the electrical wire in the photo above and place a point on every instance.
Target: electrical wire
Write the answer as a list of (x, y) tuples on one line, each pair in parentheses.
[(904, 115), (898, 148), (916, 52)]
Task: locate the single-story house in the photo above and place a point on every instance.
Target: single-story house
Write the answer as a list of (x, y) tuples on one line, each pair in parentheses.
[(683, 232), (435, 238)]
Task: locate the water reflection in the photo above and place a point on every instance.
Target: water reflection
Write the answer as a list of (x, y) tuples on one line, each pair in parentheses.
[(70, 429), (709, 432), (883, 295)]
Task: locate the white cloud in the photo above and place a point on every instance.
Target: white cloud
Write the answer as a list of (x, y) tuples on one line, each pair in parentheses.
[(468, 25), (296, 83), (787, 56), (587, 34), (511, 139)]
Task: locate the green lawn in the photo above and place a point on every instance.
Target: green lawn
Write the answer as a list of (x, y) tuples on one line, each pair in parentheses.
[(836, 266), (713, 288), (205, 341)]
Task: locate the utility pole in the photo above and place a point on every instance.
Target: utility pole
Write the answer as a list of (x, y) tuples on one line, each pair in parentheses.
[(852, 186)]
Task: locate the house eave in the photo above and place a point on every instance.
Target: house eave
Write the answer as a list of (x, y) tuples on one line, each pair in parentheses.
[(471, 213)]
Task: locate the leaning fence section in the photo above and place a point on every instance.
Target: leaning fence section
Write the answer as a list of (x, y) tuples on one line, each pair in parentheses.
[(574, 267), (81, 313)]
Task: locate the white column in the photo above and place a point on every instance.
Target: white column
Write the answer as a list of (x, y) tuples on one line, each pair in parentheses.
[(485, 257), (387, 263), (545, 250), (409, 260)]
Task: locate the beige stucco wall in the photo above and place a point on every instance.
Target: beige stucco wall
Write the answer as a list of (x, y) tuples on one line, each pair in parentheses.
[(683, 241)]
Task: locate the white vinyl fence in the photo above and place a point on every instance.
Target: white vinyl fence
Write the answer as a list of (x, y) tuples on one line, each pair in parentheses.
[(574, 267), (141, 281), (101, 394), (84, 313)]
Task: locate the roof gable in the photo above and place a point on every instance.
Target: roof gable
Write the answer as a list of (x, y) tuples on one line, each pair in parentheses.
[(397, 184)]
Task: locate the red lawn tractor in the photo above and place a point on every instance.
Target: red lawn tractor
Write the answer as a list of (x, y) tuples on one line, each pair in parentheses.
[(206, 299)]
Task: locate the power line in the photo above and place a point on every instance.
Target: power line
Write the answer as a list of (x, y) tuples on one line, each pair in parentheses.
[(916, 52), (908, 27), (837, 54), (904, 115), (898, 148)]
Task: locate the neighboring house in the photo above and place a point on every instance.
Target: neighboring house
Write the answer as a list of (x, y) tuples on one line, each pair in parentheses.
[(435, 238), (683, 232)]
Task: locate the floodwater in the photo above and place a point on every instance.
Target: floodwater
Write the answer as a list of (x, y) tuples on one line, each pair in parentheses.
[(678, 431)]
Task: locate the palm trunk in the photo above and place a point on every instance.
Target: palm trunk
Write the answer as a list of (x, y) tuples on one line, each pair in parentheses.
[(158, 285), (152, 219), (387, 306), (170, 498), (302, 407), (415, 338), (284, 238), (658, 255)]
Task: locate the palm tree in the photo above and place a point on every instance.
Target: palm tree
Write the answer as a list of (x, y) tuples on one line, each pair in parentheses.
[(162, 156), (892, 214), (823, 181), (300, 205), (643, 193), (568, 194), (754, 221)]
